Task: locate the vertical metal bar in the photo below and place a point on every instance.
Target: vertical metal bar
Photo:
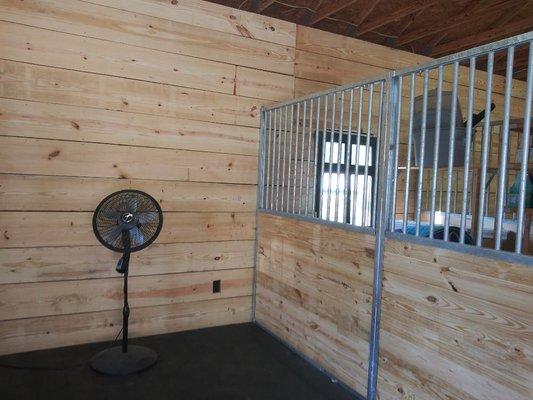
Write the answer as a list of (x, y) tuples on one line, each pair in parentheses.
[(302, 156), (261, 166), (348, 160), (455, 185), (339, 155), (409, 150), (268, 141), (383, 213), (286, 108), (436, 153), (331, 140), (273, 163), (525, 153), (396, 154), (451, 151), (375, 162), (278, 168), (311, 103), (367, 152), (317, 134), (357, 149), (422, 152), (296, 157), (323, 156), (484, 150), (260, 189), (504, 150), (289, 162)]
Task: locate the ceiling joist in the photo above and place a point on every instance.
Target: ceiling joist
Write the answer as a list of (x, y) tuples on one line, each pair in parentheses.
[(500, 32), (385, 19), (259, 6), (328, 8), (470, 14)]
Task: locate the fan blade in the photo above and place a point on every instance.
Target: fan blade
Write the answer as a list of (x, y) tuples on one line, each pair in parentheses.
[(111, 214), (136, 236), (114, 234), (133, 204), (147, 217)]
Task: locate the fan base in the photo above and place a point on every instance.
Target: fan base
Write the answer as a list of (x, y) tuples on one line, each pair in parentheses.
[(113, 361)]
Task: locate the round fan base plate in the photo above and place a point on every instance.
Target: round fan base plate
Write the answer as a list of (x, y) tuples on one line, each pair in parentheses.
[(113, 361)]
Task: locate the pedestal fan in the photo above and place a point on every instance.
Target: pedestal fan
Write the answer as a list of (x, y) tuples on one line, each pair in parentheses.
[(126, 221)]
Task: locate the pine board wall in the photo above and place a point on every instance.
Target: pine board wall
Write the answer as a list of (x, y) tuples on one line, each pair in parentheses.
[(161, 96)]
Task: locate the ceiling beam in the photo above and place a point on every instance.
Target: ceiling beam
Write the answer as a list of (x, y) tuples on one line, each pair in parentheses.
[(327, 8), (259, 6), (500, 32), (366, 12), (387, 18), (469, 14)]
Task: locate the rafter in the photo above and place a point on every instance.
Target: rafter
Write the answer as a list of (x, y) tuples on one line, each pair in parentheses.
[(259, 6), (469, 14), (328, 8), (385, 19), (502, 31), (366, 12)]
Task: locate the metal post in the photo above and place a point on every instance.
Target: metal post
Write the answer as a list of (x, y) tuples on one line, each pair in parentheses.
[(409, 149), (484, 151), (451, 151), (436, 153), (348, 160), (289, 162), (422, 152), (302, 160), (396, 154), (504, 150), (311, 103), (323, 156), (317, 134), (296, 157), (367, 152), (382, 222), (331, 140), (525, 152), (284, 159), (357, 149), (339, 156)]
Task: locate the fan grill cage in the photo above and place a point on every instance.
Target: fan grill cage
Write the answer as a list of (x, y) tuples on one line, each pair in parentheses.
[(108, 224)]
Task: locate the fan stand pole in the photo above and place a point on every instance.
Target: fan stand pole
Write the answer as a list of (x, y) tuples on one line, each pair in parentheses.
[(124, 360), (126, 308)]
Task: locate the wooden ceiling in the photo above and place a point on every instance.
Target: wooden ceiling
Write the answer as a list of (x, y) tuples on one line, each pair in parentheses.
[(429, 27)]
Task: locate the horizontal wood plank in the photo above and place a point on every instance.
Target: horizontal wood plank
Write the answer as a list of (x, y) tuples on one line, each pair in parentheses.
[(53, 85), (42, 229), (213, 16), (66, 330), (53, 157), (120, 26), (26, 300), (60, 193), (65, 122), (42, 264)]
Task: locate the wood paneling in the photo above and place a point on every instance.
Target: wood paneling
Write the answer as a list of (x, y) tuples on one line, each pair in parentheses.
[(455, 326), (78, 17), (70, 329), (41, 264), (315, 292), (38, 229), (141, 94), (63, 193)]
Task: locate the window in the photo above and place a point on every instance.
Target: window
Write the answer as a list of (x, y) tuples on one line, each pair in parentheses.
[(336, 195)]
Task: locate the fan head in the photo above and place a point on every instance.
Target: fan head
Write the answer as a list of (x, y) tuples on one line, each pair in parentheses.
[(131, 211)]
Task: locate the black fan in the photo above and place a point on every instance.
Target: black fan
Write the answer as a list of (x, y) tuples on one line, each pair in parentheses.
[(126, 221)]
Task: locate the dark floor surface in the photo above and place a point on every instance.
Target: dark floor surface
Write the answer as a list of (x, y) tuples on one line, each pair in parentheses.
[(239, 362)]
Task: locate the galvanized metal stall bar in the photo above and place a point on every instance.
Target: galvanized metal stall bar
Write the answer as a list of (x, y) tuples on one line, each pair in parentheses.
[(324, 160)]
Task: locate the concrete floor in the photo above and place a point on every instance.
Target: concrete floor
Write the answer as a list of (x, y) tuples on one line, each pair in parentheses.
[(239, 362)]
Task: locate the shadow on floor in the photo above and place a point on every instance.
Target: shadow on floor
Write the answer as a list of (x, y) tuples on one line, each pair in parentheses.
[(239, 362)]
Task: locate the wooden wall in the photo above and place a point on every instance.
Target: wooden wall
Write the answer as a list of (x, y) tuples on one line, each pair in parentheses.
[(453, 326), (102, 95), (314, 291)]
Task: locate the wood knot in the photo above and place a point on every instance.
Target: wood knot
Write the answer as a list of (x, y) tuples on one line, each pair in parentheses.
[(174, 2), (53, 154), (75, 125), (431, 299)]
